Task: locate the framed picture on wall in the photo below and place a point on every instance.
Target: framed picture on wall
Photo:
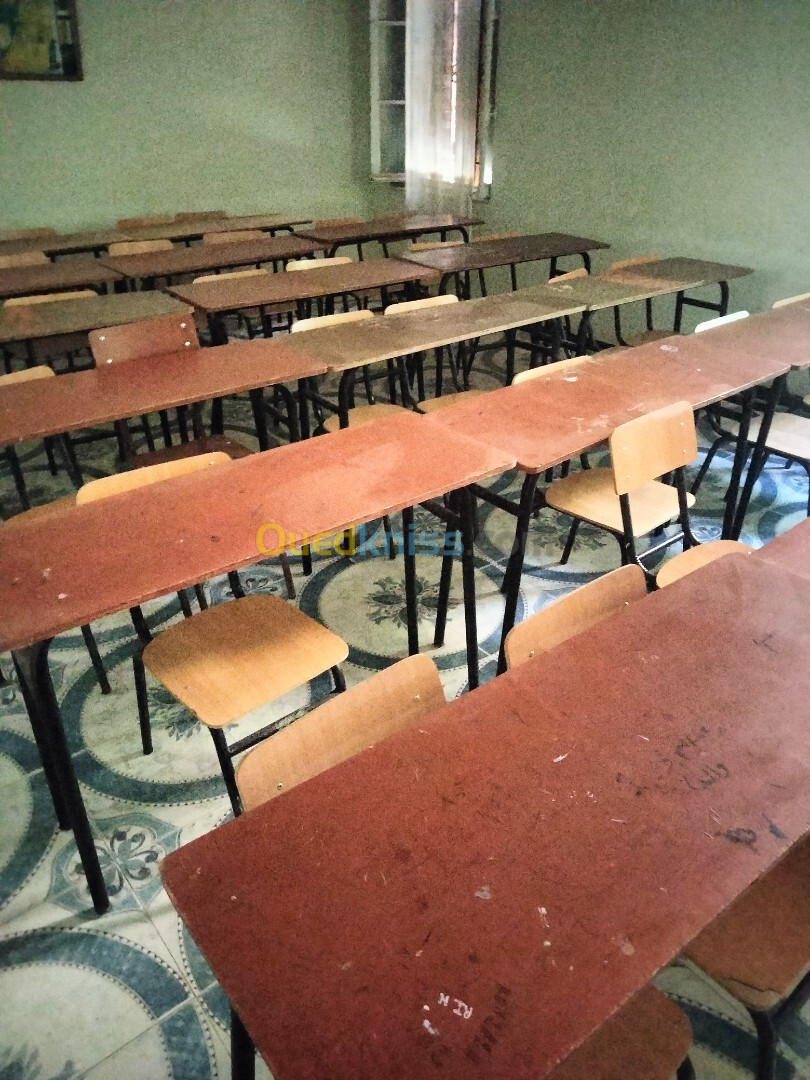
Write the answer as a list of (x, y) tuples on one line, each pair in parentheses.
[(39, 39)]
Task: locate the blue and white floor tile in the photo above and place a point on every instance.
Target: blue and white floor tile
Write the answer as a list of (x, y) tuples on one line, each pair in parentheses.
[(129, 994)]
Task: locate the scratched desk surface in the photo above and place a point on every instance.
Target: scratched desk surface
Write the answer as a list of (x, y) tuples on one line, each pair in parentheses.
[(475, 895)]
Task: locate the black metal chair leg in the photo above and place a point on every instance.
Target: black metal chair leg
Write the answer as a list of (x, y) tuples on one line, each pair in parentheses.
[(569, 543), (139, 672), (226, 765), (95, 659), (686, 1070), (766, 1045), (236, 585), (202, 599), (147, 433), (338, 679), (52, 466), (185, 604), (704, 468), (409, 557), (287, 572), (445, 579), (243, 1053), (17, 474), (71, 463), (467, 515), (367, 386), (391, 543)]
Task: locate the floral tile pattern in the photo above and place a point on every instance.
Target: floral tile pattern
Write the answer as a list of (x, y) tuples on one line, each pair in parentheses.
[(129, 994)]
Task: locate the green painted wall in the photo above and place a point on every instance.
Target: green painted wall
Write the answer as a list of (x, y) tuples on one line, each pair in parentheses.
[(660, 126), (194, 104)]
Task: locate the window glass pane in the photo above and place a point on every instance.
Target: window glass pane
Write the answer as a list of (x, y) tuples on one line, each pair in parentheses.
[(392, 138), (393, 9), (392, 63)]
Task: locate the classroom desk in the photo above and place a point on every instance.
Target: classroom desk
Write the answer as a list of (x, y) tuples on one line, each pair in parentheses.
[(482, 255), (206, 257), (156, 540), (55, 277), (474, 896), (109, 392), (790, 551), (31, 321), (388, 229), (92, 240), (193, 230), (559, 415), (217, 298), (387, 337)]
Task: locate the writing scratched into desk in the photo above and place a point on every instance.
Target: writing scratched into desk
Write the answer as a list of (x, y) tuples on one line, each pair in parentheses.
[(685, 765)]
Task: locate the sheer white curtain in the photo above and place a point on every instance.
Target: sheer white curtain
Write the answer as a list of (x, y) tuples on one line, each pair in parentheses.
[(441, 93)]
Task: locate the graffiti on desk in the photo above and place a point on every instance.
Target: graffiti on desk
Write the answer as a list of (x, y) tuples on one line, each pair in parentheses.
[(685, 765), (491, 1028)]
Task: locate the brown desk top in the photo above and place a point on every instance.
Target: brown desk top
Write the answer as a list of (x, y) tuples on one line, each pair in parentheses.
[(33, 410), (560, 414), (516, 249), (203, 257), (159, 539), (790, 551), (598, 291), (193, 230), (475, 895), (388, 228), (784, 330), (680, 268), (355, 344), (53, 277), (75, 316), (67, 243), (287, 288)]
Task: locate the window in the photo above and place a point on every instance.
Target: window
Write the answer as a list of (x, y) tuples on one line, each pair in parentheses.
[(388, 34)]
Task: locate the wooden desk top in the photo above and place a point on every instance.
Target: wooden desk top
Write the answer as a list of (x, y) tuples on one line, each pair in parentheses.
[(785, 330), (560, 414), (598, 291), (53, 277), (67, 243), (680, 268), (156, 540), (516, 249), (193, 230), (392, 227), (287, 288), (475, 895), (387, 336), (33, 410), (790, 551), (203, 257), (75, 316)]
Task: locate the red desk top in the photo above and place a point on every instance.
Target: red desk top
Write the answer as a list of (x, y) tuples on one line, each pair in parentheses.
[(54, 277), (241, 293), (210, 256), (513, 249), (552, 418), (31, 321), (118, 552), (116, 391), (784, 331), (790, 551), (474, 896)]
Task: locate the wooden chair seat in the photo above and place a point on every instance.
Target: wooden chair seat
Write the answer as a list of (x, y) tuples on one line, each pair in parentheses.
[(363, 414), (646, 1040), (646, 336), (789, 435), (230, 659), (693, 558), (40, 513), (760, 948), (208, 444), (432, 405), (591, 496)]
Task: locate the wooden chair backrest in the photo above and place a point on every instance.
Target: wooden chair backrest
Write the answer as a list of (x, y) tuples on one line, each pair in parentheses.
[(25, 258), (201, 215), (150, 474), (29, 374), (139, 247), (49, 298), (148, 337), (342, 727), (231, 274), (569, 276), (790, 300), (145, 222), (233, 237), (328, 223), (649, 446), (26, 234), (710, 324), (331, 320), (636, 260), (434, 245), (490, 238), (572, 614), (558, 367), (316, 264), (405, 306)]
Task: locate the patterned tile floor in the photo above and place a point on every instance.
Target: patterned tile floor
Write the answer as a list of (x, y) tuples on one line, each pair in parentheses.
[(128, 994)]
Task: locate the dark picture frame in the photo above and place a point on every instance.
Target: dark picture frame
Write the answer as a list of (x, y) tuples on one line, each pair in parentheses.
[(39, 39)]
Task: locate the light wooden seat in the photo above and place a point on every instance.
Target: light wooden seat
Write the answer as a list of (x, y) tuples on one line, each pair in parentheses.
[(201, 215), (432, 405), (634, 260), (24, 258), (50, 298), (31, 374), (117, 484), (574, 613), (145, 222), (722, 320), (248, 313), (330, 223), (337, 319), (490, 238), (626, 499), (345, 725), (694, 558), (648, 1039), (364, 414), (201, 444), (235, 237), (570, 275), (139, 247), (43, 512), (434, 245), (26, 234), (559, 366), (317, 264), (404, 306), (791, 300), (255, 272)]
